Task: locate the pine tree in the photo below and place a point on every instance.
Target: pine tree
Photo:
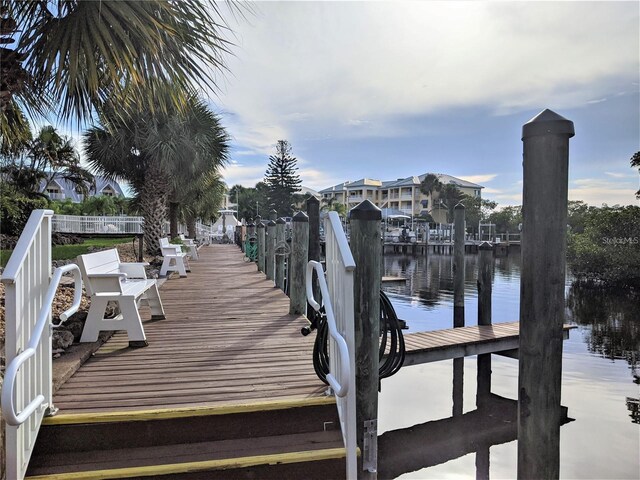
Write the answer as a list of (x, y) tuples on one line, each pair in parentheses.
[(281, 179)]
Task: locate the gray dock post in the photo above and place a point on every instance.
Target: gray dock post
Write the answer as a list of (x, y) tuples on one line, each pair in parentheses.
[(366, 246), (458, 267), (458, 305), (485, 267), (298, 261), (544, 211), (313, 211), (279, 259), (261, 245), (269, 260)]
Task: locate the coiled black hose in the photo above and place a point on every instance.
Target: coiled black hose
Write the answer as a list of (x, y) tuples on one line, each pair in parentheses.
[(390, 328), (390, 334)]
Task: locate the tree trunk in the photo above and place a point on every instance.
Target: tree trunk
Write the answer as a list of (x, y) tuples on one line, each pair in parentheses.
[(191, 226), (173, 219), (153, 202)]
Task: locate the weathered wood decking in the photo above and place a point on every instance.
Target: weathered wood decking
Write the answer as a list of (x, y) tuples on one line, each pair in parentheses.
[(425, 347), (227, 339)]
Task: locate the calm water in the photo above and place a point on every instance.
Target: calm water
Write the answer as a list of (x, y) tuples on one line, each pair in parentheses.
[(600, 370)]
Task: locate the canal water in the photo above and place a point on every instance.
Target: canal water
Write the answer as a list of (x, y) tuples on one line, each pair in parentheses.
[(600, 374)]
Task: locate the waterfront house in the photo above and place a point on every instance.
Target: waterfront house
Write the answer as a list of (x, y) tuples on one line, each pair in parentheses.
[(402, 194), (61, 189)]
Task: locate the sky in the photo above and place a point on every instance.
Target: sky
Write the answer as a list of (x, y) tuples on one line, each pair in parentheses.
[(386, 90)]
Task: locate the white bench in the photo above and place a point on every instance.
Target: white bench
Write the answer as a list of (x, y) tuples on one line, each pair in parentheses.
[(173, 259), (109, 280), (191, 245)]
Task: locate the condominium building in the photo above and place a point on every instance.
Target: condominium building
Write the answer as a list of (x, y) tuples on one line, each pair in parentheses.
[(402, 194)]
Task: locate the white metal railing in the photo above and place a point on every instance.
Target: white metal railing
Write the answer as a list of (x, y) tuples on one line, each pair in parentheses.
[(27, 392), (337, 297), (97, 224)]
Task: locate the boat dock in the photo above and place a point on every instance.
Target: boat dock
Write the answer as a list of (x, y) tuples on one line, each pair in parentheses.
[(227, 382)]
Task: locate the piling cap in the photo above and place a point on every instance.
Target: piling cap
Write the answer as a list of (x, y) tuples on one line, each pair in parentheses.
[(271, 223), (312, 199), (281, 221), (273, 214), (459, 206), (251, 224), (365, 211), (258, 218), (548, 122), (260, 225), (300, 217), (485, 246)]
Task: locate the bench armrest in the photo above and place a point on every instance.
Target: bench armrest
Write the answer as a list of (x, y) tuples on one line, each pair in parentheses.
[(134, 270), (107, 275), (106, 283), (171, 250)]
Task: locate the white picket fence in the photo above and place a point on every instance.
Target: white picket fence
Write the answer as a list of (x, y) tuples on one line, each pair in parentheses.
[(337, 296), (97, 224), (27, 389), (117, 226)]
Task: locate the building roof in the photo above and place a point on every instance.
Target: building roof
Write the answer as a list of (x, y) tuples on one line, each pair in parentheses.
[(363, 182), (69, 190), (445, 179)]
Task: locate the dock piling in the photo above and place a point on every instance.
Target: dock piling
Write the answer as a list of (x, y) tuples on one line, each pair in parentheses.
[(544, 210), (366, 247), (485, 266), (269, 260), (313, 211), (261, 236), (279, 258), (298, 261)]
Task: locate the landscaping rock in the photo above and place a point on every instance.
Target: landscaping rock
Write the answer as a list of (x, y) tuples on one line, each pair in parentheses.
[(61, 339)]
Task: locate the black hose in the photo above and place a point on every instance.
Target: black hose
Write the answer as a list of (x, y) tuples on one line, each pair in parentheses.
[(390, 327), (390, 333)]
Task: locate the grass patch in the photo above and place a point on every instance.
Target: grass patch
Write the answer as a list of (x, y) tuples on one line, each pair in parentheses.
[(68, 252)]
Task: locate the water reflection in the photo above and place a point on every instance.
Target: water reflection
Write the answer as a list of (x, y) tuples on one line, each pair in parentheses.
[(600, 377), (494, 422), (614, 321)]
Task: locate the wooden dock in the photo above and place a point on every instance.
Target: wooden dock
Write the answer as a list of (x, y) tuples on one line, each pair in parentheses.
[(227, 381), (502, 338), (225, 388)]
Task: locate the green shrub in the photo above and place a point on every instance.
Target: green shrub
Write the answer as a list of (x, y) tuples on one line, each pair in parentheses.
[(15, 211), (608, 251)]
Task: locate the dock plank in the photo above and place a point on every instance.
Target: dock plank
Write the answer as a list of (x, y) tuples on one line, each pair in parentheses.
[(425, 347), (227, 338)]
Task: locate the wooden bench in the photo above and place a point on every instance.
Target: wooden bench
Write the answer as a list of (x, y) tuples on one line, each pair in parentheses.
[(107, 279), (173, 259), (191, 245)]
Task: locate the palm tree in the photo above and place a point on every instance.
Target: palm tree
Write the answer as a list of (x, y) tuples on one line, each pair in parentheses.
[(450, 196), (331, 205), (430, 184), (73, 55), (158, 152), (202, 200), (35, 161)]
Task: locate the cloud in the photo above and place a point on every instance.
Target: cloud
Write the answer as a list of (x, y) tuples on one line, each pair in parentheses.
[(317, 179), (480, 179), (598, 191), (351, 69), (620, 175), (245, 175)]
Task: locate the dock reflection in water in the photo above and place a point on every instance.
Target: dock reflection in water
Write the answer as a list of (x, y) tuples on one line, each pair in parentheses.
[(420, 439)]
